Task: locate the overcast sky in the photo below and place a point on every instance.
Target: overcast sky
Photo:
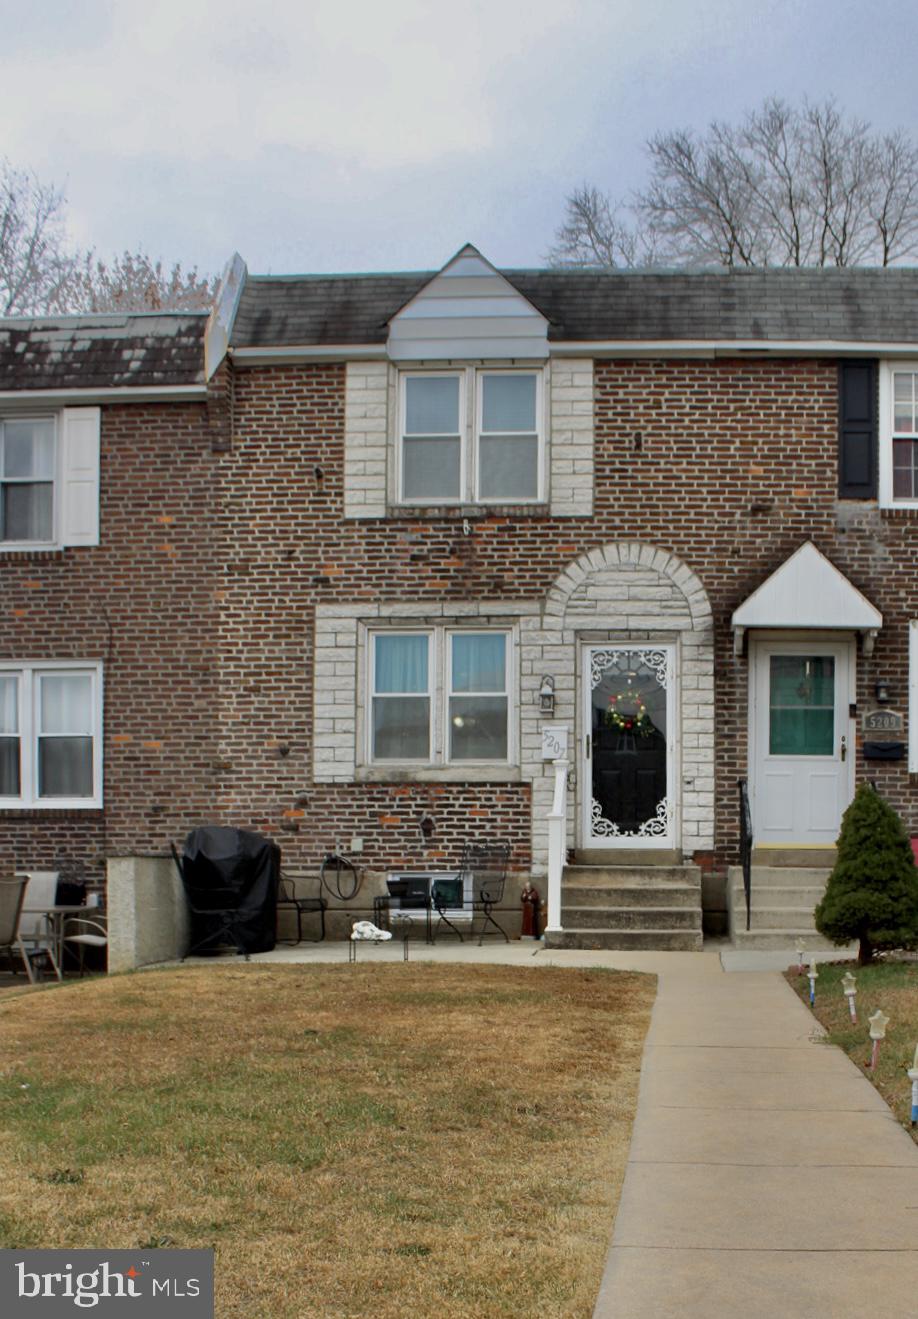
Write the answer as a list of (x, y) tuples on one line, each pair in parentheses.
[(348, 135)]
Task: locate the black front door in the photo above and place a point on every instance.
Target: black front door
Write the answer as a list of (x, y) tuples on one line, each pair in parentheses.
[(629, 736)]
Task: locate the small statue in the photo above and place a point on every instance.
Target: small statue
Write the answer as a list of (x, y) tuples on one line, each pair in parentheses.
[(532, 904)]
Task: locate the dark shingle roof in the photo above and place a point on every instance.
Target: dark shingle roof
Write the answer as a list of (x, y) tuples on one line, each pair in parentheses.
[(98, 352), (853, 305)]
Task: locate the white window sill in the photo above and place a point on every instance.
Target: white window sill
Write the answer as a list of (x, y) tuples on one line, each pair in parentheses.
[(58, 804), (470, 511), (29, 546), (471, 773)]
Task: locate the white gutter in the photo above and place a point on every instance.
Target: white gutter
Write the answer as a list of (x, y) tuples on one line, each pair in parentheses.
[(672, 348), (729, 348), (105, 394)]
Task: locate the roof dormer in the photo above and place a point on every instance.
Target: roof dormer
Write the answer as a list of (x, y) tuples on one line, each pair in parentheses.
[(468, 312)]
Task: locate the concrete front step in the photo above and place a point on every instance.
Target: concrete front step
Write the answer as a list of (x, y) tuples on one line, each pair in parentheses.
[(617, 856), (794, 857), (778, 918), (786, 938), (685, 941), (631, 876), (633, 918), (803, 898), (664, 895), (781, 876)]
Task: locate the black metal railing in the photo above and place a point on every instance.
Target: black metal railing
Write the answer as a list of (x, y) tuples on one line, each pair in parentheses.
[(745, 816)]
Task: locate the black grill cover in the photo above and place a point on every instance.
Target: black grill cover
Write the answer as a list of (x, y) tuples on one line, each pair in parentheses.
[(226, 869)]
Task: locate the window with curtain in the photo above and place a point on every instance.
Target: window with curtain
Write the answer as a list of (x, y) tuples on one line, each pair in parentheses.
[(50, 741), (65, 718), (401, 697), (471, 436), (478, 714), (441, 696), (10, 771), (27, 463)]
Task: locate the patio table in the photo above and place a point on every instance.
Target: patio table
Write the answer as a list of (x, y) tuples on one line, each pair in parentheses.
[(56, 916)]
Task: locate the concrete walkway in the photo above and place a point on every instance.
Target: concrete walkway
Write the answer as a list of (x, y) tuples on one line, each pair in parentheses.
[(766, 1176)]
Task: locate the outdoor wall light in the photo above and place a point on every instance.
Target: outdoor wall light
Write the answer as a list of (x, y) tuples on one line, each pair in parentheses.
[(427, 826), (882, 691), (547, 696)]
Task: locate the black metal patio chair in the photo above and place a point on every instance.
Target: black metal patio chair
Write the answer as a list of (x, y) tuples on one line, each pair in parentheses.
[(475, 893)]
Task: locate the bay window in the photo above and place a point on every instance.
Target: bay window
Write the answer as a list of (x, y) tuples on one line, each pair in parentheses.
[(471, 436), (50, 735), (439, 696)]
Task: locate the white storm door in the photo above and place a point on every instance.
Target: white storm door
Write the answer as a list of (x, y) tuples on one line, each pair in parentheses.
[(802, 743), (627, 773)]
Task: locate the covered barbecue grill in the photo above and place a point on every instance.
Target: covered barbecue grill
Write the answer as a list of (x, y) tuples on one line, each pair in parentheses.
[(230, 879)]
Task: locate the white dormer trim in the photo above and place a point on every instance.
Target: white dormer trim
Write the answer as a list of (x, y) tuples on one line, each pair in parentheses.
[(806, 592), (468, 312)]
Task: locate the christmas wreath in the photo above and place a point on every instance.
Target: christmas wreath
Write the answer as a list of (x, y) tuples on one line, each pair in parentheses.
[(628, 713)]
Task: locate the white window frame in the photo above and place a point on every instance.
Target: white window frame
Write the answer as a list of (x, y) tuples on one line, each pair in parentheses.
[(449, 693), (439, 678), (431, 692), (57, 481), (887, 433), (470, 416), (913, 696), (29, 673)]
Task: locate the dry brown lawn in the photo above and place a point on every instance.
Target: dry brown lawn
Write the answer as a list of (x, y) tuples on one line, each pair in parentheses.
[(353, 1141)]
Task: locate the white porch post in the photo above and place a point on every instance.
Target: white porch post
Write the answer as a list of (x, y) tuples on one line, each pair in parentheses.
[(557, 846)]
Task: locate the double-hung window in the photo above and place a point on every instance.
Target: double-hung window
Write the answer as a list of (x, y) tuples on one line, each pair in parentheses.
[(50, 735), (439, 696), (28, 462), (899, 434), (471, 436)]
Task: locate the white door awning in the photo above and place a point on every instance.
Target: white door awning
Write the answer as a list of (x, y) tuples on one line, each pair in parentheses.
[(807, 592)]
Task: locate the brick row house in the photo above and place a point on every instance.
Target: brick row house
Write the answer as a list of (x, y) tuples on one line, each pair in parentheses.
[(550, 557)]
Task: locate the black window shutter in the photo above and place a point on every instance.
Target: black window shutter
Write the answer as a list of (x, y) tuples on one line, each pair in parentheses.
[(857, 429)]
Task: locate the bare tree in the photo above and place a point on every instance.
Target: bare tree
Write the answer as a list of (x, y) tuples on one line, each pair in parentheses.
[(133, 281), (789, 186), (36, 266), (595, 234)]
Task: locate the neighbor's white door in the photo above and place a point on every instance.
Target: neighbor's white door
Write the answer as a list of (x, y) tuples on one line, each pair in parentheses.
[(802, 741)]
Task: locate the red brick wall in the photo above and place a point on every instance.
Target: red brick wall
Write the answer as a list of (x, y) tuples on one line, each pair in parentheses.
[(201, 597), (142, 602)]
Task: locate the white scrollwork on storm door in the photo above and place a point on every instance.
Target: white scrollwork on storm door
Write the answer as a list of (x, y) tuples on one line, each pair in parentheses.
[(634, 705)]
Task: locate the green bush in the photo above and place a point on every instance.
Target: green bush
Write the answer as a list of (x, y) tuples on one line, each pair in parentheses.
[(872, 893)]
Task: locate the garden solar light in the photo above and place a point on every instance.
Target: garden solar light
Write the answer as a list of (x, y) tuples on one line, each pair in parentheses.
[(801, 949), (811, 976), (913, 1077), (849, 988), (878, 1023)]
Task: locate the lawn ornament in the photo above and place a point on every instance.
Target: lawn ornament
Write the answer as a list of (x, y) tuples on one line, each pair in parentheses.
[(878, 1023)]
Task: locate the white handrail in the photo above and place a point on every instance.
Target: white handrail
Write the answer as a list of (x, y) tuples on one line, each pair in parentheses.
[(557, 846)]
